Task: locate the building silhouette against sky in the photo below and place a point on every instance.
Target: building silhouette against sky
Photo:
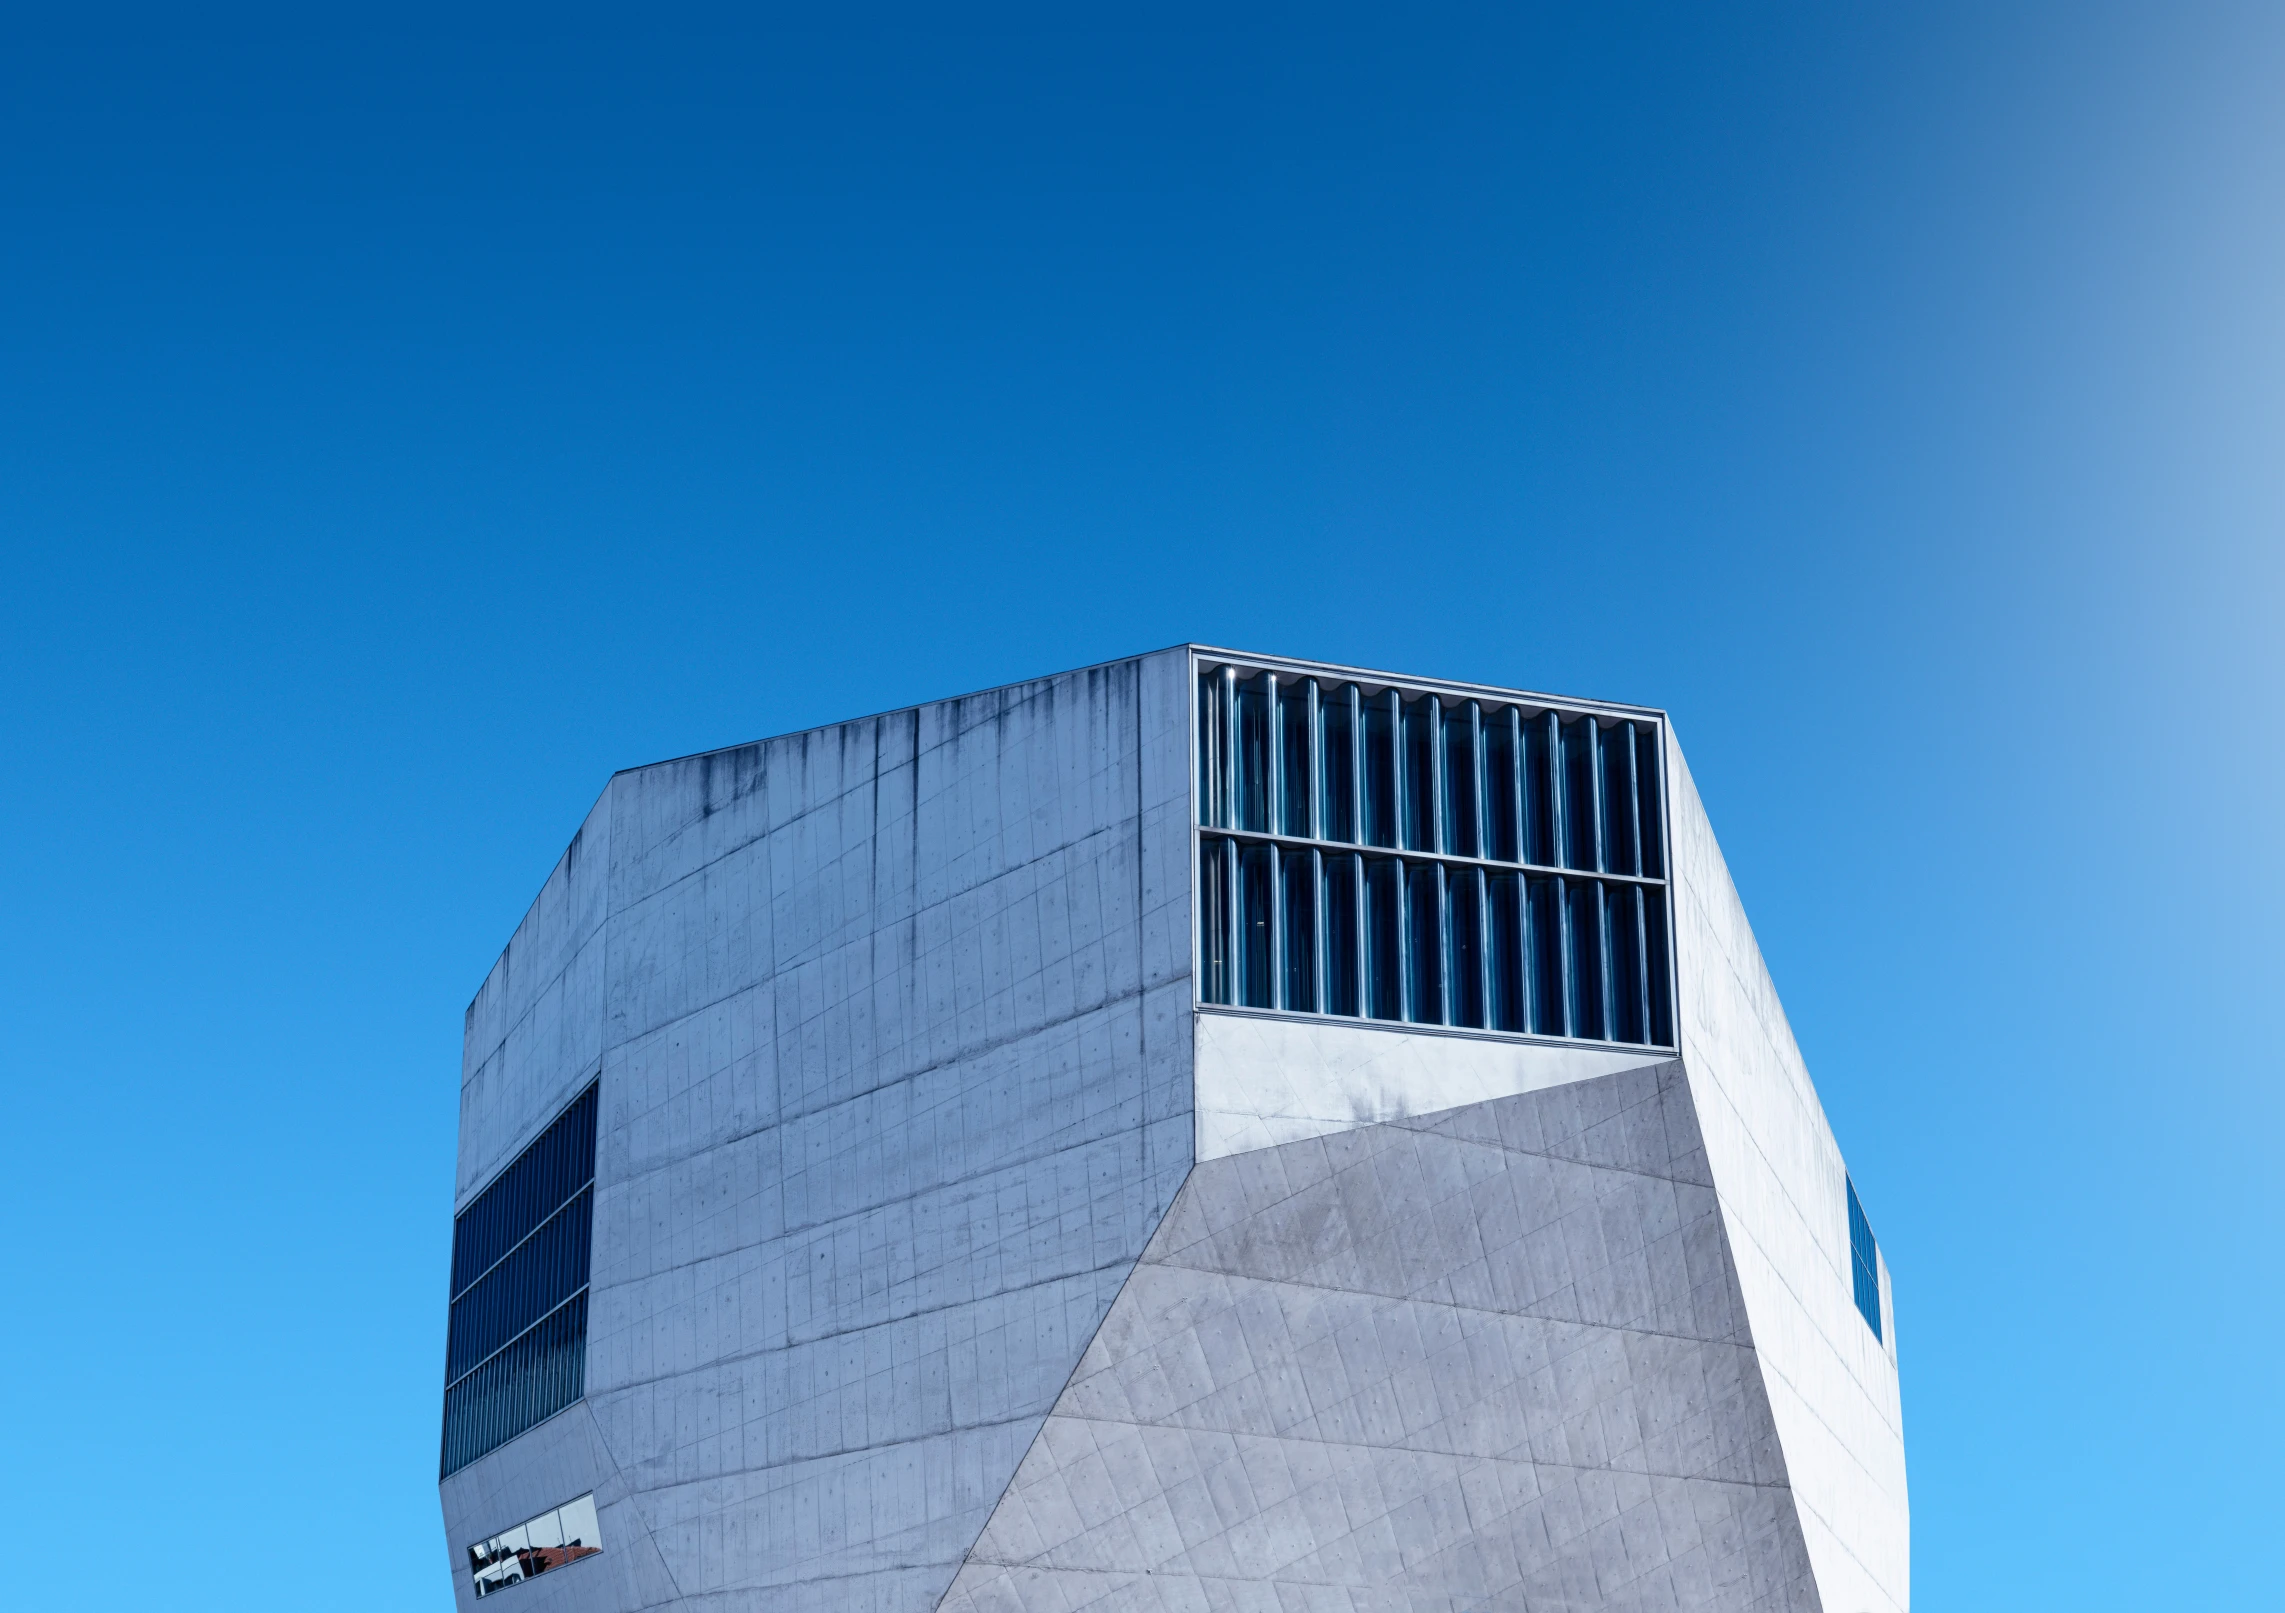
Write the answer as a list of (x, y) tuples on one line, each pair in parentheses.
[(1201, 1132)]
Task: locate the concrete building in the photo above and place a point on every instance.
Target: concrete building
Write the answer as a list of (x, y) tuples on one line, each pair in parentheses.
[(1202, 1132)]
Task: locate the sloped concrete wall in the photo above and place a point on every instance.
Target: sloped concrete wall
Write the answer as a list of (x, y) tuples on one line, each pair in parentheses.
[(893, 1021), (1492, 1357), (1832, 1384)]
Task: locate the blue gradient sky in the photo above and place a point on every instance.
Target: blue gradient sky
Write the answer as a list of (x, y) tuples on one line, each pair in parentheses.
[(404, 426)]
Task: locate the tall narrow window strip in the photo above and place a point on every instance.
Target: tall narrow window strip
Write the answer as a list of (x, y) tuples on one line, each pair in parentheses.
[(1650, 781), (1418, 779), (516, 1330), (1296, 721), (1256, 882), (1423, 936), (1337, 720), (1380, 746), (1297, 904), (1344, 935), (1384, 938), (1503, 786), (1864, 1261), (1622, 826)]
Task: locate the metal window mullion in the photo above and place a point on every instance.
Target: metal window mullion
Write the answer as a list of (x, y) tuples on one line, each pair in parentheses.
[(1228, 759), (1275, 995), (1273, 758), (526, 1238), (1313, 770), (455, 1383), (1641, 899)]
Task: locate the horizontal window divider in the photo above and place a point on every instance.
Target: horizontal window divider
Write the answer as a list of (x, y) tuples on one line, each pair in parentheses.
[(1410, 1027), (1409, 854), (526, 1238), (511, 1344)]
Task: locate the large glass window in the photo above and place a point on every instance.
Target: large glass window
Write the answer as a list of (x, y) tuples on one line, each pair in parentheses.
[(557, 1536), (516, 1333), (1526, 892)]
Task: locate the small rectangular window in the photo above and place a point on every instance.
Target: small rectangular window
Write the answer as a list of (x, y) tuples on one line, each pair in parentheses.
[(1864, 1262), (558, 1536)]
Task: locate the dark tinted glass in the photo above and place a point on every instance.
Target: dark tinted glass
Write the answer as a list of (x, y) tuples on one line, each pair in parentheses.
[(1214, 748), (1296, 719), (1648, 787), (1419, 784), (1297, 986), (516, 1335), (1507, 966), (1579, 792), (1622, 913), (1864, 1258), (1585, 947), (1256, 872), (1380, 726), (1503, 786), (1216, 978), (1424, 943), (1464, 947), (542, 1272), (1542, 790), (1463, 783), (1337, 764), (1550, 985), (1343, 935), (1384, 938), (1622, 827), (559, 1162), (1253, 754), (530, 1381)]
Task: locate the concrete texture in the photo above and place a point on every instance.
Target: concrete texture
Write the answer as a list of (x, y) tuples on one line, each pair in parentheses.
[(893, 1022), (947, 1253), (1490, 1357)]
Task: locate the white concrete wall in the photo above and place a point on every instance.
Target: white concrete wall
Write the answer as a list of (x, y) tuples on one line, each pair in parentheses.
[(1778, 1171), (893, 1021)]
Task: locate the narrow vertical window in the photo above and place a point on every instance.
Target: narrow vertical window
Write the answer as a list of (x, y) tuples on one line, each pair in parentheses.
[(1543, 791), (1864, 1262), (1257, 876), (1380, 731), (1650, 787), (1253, 754), (1384, 938), (1548, 965), (1622, 908), (1622, 825), (1464, 959), (1214, 702), (1503, 786), (1585, 946), (1507, 968), (1337, 721), (1216, 976), (1655, 952), (1581, 787), (1423, 934), (1296, 725), (1297, 985), (1420, 808), (1344, 934), (1463, 781)]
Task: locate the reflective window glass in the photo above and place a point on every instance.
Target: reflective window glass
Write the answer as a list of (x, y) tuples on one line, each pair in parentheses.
[(1296, 722), (557, 1537), (1298, 879), (1337, 721), (1380, 764), (1384, 938), (1424, 949), (1344, 934), (1418, 782)]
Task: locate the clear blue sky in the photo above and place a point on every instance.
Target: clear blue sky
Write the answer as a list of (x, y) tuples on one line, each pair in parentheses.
[(402, 427)]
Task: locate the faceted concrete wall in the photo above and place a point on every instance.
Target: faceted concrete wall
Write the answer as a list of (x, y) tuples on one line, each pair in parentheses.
[(1832, 1384), (1488, 1357), (893, 1023)]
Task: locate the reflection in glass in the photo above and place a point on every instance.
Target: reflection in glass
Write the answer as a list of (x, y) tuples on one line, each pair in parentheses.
[(1509, 961), (1420, 747), (1424, 923), (1214, 702), (1580, 789), (561, 1535), (1215, 859), (1464, 947), (1503, 780)]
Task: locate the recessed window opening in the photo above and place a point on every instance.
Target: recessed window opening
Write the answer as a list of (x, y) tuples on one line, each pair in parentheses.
[(1864, 1262), (1369, 851), (556, 1537), (516, 1332)]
